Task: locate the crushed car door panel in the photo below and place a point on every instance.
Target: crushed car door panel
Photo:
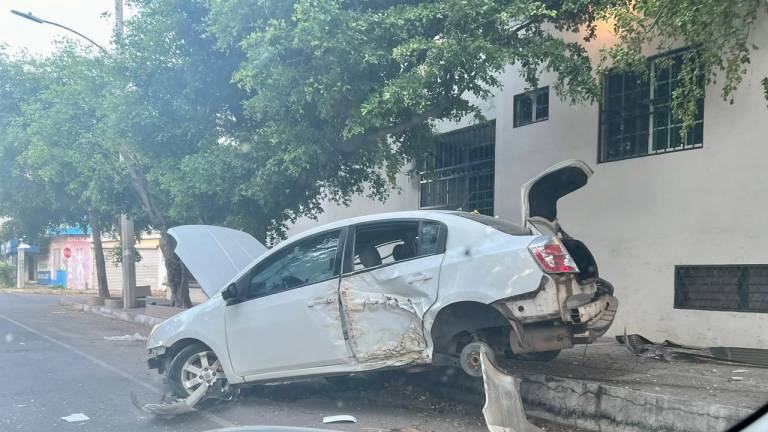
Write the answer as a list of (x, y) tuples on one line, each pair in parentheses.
[(395, 269), (290, 318), (213, 254)]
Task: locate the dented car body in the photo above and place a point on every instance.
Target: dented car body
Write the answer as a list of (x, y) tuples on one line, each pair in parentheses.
[(387, 290)]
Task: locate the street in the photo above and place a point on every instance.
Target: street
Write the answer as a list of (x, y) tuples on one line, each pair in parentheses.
[(58, 363)]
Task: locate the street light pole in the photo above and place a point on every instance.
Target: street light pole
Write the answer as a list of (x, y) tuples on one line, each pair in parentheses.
[(39, 20), (126, 225)]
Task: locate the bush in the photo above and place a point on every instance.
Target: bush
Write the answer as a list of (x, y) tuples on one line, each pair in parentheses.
[(7, 275)]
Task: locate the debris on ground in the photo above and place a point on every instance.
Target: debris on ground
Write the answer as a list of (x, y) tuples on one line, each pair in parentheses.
[(127, 338), (667, 350), (180, 406), (343, 418), (503, 408), (737, 378), (76, 417)]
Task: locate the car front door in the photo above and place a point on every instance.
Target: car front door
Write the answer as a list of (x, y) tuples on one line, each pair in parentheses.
[(390, 279), (289, 318)]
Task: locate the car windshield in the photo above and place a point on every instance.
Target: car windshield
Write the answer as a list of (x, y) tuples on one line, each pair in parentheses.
[(383, 215)]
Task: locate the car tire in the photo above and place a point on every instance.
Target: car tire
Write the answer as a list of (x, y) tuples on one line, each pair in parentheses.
[(193, 359), (542, 356)]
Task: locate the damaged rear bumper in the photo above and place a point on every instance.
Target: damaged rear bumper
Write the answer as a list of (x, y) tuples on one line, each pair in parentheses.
[(559, 314)]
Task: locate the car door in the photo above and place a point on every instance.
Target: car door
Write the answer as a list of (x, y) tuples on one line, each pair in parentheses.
[(289, 316), (391, 276)]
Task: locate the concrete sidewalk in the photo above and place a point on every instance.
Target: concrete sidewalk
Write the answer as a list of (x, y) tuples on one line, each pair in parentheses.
[(606, 388), (135, 315)]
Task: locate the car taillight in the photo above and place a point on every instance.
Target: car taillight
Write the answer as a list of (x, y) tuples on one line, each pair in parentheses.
[(552, 256)]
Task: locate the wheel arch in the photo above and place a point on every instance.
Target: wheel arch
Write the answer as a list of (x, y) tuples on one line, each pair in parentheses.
[(458, 317)]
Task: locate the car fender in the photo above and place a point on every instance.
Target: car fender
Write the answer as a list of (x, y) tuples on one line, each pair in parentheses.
[(485, 276), (205, 323)]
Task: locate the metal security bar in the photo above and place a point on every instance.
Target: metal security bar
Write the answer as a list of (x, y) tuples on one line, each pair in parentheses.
[(460, 173), (740, 288), (635, 112)]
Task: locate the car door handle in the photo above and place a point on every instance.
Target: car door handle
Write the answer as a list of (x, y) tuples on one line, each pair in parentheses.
[(418, 277)]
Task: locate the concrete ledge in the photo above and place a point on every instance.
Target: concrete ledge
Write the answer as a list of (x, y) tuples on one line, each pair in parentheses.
[(597, 406), (605, 408), (119, 314)]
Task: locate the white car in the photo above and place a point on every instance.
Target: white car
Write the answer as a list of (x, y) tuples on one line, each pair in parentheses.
[(383, 291)]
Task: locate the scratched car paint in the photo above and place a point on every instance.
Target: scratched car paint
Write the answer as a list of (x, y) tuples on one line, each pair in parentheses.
[(386, 290)]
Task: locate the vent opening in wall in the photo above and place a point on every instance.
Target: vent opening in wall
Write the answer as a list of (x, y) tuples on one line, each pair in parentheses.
[(739, 288)]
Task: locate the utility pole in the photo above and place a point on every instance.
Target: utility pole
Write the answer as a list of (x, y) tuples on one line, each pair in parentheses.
[(126, 225)]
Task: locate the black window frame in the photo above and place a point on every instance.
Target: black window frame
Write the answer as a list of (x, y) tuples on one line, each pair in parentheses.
[(243, 284), (649, 107), (534, 96), (742, 288), (460, 171), (348, 268)]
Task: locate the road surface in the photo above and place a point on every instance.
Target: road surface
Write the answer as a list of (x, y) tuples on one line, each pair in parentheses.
[(56, 362)]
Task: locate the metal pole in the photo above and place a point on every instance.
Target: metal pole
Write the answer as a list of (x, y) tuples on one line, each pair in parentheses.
[(20, 259), (126, 225), (129, 262)]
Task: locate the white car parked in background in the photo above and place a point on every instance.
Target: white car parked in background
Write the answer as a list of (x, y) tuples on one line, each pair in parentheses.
[(383, 291)]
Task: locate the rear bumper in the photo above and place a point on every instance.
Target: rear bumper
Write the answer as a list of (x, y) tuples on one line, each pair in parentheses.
[(559, 314), (596, 317)]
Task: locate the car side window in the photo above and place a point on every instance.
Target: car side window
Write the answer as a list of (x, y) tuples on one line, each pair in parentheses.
[(306, 262), (389, 242), (429, 238)]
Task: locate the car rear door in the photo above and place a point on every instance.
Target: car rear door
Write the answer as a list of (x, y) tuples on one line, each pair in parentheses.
[(390, 279), (289, 319)]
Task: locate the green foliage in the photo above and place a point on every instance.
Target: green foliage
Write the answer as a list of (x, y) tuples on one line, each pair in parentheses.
[(343, 94), (7, 275), (717, 31)]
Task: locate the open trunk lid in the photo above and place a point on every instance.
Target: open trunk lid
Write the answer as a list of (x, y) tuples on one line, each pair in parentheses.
[(540, 194), (213, 254)]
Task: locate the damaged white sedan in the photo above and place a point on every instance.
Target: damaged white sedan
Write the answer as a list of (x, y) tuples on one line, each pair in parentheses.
[(382, 291)]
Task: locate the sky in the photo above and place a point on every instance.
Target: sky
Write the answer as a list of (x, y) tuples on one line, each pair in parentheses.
[(82, 15)]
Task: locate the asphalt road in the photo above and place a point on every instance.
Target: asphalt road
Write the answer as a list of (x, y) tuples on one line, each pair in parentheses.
[(56, 362)]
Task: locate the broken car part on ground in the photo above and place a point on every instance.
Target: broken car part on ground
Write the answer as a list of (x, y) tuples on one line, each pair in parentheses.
[(383, 291)]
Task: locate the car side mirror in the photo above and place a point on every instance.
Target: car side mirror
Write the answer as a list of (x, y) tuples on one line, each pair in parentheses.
[(229, 294)]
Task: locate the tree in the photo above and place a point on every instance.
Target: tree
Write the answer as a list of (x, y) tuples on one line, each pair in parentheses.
[(717, 31), (54, 146), (167, 116), (342, 94)]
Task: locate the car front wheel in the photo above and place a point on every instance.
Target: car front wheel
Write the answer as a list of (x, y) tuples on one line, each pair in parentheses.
[(192, 366)]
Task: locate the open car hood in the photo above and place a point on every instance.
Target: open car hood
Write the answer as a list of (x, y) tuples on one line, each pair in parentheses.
[(540, 194), (214, 254)]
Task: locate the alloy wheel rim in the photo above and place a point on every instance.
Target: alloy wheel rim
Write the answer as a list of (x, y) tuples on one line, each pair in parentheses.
[(199, 368)]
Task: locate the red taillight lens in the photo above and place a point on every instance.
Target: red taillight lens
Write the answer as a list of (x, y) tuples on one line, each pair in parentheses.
[(551, 256)]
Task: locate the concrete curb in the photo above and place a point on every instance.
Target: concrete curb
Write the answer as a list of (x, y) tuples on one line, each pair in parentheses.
[(114, 313), (600, 407)]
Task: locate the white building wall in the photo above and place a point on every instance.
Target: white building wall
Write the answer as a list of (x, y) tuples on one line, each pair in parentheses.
[(641, 217)]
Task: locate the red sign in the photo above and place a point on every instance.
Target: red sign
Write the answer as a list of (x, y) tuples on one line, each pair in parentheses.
[(67, 252)]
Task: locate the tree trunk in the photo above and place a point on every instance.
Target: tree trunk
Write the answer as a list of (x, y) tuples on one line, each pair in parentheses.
[(178, 284), (173, 266), (98, 251)]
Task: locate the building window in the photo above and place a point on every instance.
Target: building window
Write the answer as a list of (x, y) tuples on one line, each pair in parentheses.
[(459, 173), (635, 114), (531, 107), (740, 288)]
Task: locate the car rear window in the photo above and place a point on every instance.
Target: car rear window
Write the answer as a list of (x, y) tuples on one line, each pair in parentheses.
[(502, 225)]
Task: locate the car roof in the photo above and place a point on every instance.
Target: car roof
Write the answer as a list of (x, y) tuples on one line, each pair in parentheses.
[(438, 215)]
